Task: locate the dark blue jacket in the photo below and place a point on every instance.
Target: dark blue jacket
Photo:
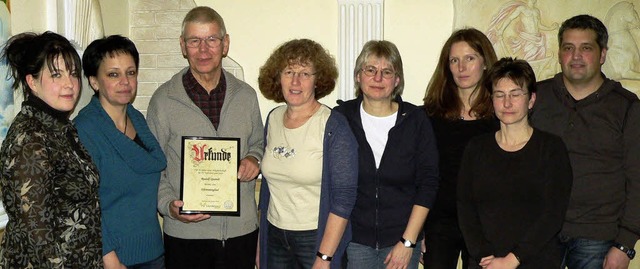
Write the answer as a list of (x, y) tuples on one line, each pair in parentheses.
[(407, 175)]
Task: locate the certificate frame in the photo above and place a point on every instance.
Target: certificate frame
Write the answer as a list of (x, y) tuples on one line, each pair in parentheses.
[(209, 176)]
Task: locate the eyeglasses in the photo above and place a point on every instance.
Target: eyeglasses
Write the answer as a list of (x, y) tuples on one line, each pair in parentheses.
[(211, 41), (302, 75), (372, 71), (513, 95)]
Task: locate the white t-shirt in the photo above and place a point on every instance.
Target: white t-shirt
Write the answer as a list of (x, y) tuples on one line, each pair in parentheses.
[(292, 164), (376, 129)]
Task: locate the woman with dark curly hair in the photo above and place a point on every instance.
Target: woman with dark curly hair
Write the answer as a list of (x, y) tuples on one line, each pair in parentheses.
[(310, 162)]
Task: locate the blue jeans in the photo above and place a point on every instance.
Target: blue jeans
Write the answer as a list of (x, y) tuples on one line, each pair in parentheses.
[(157, 263), (361, 256), (584, 253), (291, 249)]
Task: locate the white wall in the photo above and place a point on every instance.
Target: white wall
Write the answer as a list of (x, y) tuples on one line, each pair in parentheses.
[(417, 27), (256, 28)]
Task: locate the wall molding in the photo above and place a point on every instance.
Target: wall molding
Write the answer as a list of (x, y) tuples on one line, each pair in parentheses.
[(359, 22)]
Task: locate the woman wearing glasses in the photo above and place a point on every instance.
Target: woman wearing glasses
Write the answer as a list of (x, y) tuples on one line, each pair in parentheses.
[(398, 163), (514, 184), (310, 162)]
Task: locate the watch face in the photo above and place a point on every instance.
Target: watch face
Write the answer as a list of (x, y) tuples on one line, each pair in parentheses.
[(325, 257), (407, 243)]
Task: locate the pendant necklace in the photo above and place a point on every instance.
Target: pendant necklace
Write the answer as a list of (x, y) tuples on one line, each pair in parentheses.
[(126, 122)]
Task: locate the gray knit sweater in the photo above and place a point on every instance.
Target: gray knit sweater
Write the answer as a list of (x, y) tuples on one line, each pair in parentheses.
[(171, 115)]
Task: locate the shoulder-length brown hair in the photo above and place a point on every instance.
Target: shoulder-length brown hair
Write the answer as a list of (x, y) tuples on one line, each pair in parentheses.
[(298, 52), (441, 98)]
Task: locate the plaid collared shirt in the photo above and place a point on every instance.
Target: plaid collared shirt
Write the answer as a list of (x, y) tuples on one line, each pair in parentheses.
[(210, 104)]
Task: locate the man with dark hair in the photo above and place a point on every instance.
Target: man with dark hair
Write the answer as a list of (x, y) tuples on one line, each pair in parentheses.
[(205, 100), (598, 120)]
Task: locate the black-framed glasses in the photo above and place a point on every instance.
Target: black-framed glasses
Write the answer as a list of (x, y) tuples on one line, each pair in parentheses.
[(371, 71), (211, 41), (302, 75)]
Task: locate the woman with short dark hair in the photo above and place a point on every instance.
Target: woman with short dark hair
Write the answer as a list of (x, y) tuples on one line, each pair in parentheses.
[(126, 153), (514, 184)]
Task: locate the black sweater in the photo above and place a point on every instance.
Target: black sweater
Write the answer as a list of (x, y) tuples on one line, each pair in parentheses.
[(452, 137), (515, 201)]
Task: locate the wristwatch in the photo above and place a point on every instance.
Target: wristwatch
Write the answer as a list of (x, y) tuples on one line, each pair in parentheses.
[(324, 257), (629, 251), (407, 243)]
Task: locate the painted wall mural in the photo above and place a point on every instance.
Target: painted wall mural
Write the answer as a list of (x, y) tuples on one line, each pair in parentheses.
[(7, 111), (528, 29), (6, 94)]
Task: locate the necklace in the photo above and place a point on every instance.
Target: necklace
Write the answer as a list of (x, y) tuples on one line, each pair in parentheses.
[(126, 122)]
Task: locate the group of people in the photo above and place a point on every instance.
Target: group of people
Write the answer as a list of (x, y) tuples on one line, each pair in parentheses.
[(498, 168)]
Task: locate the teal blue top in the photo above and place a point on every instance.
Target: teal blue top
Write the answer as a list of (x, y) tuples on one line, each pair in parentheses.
[(129, 177)]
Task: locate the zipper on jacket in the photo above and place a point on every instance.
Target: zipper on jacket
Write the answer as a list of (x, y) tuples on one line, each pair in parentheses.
[(377, 222)]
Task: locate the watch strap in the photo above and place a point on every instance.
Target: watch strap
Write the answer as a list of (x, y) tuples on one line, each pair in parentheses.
[(324, 257), (407, 243), (631, 253)]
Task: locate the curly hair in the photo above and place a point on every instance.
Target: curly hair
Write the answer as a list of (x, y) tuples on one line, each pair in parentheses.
[(441, 98), (303, 52)]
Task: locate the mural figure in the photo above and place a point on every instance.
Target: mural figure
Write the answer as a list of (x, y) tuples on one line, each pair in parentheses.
[(517, 30), (623, 56)]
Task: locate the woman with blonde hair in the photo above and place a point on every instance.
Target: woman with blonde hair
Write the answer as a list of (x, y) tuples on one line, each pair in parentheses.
[(398, 163)]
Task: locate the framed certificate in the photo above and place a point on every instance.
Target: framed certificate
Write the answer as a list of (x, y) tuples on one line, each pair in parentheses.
[(209, 177)]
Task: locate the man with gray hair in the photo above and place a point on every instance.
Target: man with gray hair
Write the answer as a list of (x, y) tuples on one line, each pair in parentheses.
[(205, 100), (599, 121)]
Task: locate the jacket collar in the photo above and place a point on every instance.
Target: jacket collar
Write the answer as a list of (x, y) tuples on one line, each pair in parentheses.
[(560, 90), (59, 120), (352, 108)]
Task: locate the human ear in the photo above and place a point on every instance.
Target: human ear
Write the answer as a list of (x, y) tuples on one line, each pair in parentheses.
[(93, 82), (32, 83)]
